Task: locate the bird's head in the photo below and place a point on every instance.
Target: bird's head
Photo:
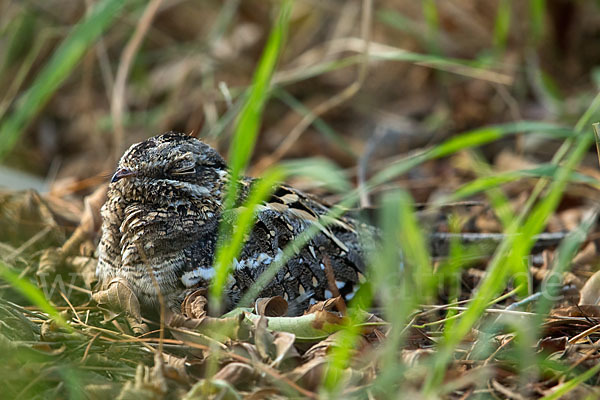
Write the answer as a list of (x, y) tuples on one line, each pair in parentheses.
[(168, 166)]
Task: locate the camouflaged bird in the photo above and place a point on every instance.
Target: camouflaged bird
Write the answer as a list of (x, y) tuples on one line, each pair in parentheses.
[(162, 216)]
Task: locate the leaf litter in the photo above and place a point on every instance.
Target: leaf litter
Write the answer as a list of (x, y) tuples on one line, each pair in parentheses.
[(261, 352)]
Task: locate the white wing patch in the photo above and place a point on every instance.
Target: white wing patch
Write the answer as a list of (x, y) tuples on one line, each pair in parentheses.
[(194, 276)]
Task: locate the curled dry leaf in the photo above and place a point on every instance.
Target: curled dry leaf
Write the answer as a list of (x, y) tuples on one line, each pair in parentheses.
[(587, 255), (333, 304), (262, 393), (243, 349), (25, 214), (271, 306), (51, 264), (118, 298), (194, 305), (89, 225), (174, 368), (102, 391), (287, 355), (85, 267), (583, 310)]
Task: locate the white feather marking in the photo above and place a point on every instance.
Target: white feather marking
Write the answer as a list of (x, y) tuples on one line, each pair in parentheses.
[(194, 276)]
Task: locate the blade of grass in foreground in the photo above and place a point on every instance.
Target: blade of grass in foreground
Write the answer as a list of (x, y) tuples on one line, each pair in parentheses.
[(241, 150), (60, 66), (566, 387), (34, 294), (403, 277), (492, 181), (242, 221), (470, 139)]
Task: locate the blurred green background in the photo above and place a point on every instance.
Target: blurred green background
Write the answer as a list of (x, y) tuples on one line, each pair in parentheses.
[(435, 68)]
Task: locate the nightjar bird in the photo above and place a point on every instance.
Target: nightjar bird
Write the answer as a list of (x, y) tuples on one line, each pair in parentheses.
[(162, 217)]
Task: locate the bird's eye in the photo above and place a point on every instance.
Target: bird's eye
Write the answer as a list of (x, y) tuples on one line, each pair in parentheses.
[(184, 170)]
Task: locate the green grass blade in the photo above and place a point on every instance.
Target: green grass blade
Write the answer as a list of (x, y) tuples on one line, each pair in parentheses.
[(537, 11), (60, 66), (241, 150), (502, 25), (474, 138), (489, 182), (567, 386), (242, 221), (31, 292), (432, 19), (319, 170)]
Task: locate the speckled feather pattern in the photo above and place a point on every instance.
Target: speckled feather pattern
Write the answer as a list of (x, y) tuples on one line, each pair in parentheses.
[(161, 220)]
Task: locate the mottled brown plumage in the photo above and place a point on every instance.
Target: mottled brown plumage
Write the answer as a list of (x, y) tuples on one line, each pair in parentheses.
[(162, 217)]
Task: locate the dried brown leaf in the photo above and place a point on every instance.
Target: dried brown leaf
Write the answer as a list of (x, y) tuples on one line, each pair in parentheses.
[(262, 394), (587, 255), (263, 340), (51, 264), (287, 355), (119, 298), (194, 305), (175, 369), (246, 350), (552, 344), (271, 306), (413, 357), (237, 374), (333, 304), (23, 214), (85, 267), (212, 389), (309, 374), (321, 349)]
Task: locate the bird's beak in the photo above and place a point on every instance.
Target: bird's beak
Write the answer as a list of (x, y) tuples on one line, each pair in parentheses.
[(122, 173)]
